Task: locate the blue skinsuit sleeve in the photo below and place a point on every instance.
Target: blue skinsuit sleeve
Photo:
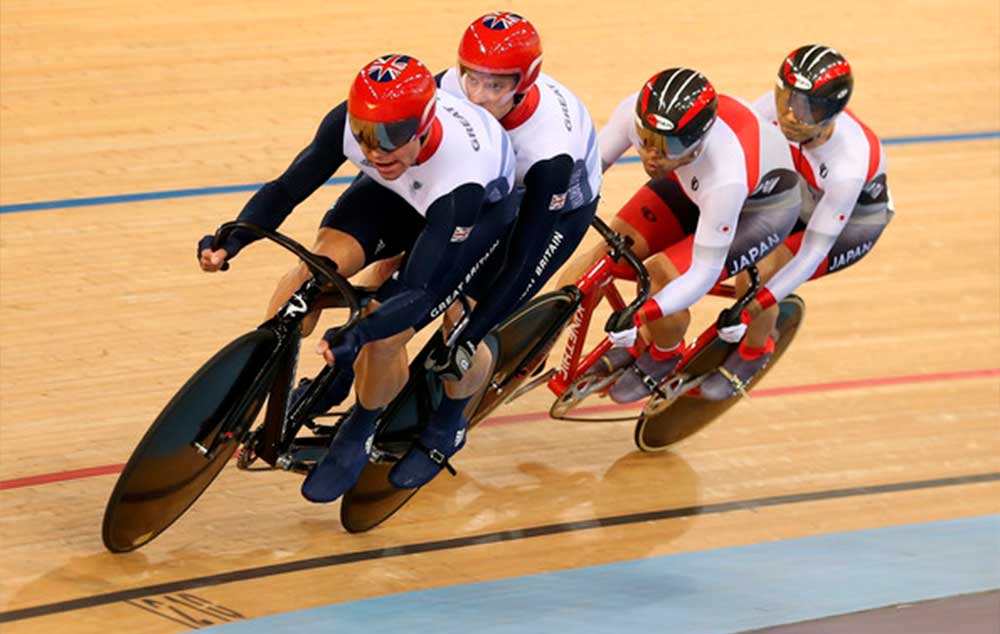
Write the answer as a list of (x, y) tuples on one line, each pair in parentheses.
[(312, 167), (532, 233), (429, 267)]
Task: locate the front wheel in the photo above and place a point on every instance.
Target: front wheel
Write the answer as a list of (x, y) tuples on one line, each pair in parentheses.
[(687, 415), (167, 473)]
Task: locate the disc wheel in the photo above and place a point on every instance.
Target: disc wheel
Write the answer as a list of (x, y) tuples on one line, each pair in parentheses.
[(530, 332), (686, 415), (166, 473)]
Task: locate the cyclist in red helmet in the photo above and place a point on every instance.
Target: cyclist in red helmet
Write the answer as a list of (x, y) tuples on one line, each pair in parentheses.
[(558, 175), (436, 183), (846, 201), (722, 194)]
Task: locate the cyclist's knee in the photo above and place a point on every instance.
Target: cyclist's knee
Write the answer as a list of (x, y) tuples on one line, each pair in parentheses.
[(661, 271), (383, 350), (640, 246), (474, 377), (342, 248)]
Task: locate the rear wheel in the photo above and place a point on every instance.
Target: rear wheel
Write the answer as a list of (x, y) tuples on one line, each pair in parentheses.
[(529, 332), (687, 415), (166, 473), (373, 499)]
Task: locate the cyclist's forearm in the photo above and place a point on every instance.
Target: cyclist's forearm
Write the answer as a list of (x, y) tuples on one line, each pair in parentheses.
[(395, 315), (706, 265), (532, 234), (313, 166)]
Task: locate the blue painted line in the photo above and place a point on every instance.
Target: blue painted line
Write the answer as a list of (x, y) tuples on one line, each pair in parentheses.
[(942, 138), (709, 592), (343, 180), (131, 198)]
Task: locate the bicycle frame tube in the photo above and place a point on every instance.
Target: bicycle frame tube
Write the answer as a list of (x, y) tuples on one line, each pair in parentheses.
[(285, 326), (595, 285)]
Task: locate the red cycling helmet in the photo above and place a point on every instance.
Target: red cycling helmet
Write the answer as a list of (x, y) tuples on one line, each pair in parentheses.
[(391, 102), (502, 43)]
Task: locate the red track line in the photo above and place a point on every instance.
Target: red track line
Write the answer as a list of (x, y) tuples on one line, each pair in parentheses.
[(777, 391), (59, 476), (75, 474)]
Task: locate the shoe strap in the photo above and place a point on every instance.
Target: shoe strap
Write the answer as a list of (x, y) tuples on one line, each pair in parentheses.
[(652, 384), (436, 456)]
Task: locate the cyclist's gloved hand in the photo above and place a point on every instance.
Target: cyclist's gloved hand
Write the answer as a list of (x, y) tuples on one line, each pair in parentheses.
[(451, 363), (212, 260), (621, 333), (732, 325), (624, 338), (340, 347)]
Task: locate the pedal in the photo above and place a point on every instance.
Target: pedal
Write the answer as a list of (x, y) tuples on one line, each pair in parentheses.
[(669, 391), (735, 381), (301, 459)]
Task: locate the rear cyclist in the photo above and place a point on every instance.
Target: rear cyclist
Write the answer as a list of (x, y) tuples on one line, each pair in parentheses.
[(846, 201), (558, 172)]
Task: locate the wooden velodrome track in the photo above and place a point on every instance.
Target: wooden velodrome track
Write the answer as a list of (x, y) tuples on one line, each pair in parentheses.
[(893, 379)]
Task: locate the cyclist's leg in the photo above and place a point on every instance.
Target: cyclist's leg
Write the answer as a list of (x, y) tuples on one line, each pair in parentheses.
[(666, 217), (853, 244), (761, 240), (531, 261), (382, 370), (444, 434), (648, 219), (761, 228), (666, 334), (367, 223), (762, 325)]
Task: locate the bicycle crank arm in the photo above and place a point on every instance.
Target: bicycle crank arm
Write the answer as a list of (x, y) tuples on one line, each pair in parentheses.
[(538, 380)]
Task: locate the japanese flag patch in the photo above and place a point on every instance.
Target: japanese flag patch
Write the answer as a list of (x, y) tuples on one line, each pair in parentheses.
[(558, 201)]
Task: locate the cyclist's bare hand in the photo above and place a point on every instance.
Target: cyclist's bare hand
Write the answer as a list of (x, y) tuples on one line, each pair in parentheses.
[(211, 261), (323, 348), (346, 344)]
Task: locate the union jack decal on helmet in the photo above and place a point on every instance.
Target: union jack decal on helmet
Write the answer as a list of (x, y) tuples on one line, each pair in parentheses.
[(501, 20), (387, 67), (502, 43)]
